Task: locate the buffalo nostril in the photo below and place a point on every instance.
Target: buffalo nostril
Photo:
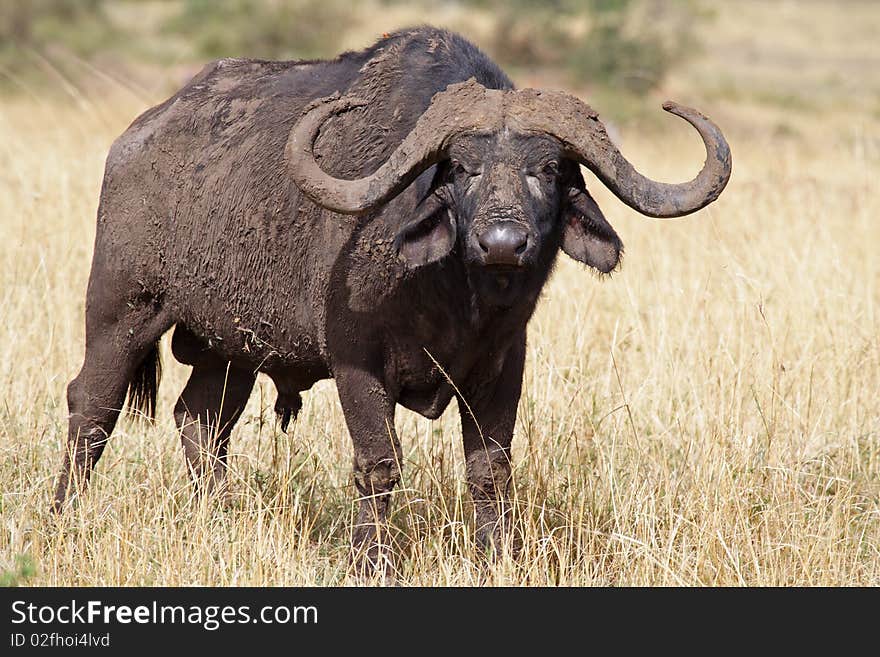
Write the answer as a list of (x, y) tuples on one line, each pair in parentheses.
[(503, 243)]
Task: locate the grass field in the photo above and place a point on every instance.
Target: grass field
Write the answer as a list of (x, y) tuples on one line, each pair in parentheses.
[(708, 416)]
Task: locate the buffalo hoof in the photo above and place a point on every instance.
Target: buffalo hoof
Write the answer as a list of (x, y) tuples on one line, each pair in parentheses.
[(499, 538), (372, 561)]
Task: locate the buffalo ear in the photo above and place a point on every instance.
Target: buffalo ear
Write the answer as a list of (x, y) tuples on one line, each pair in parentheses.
[(586, 235), (430, 235)]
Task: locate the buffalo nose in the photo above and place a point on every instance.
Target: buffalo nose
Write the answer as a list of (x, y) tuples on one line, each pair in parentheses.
[(503, 243)]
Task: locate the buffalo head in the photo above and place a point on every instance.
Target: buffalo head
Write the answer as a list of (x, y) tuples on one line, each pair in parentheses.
[(507, 190)]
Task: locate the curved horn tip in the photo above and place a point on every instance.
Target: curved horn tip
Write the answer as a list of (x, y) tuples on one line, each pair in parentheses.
[(675, 108), (683, 111)]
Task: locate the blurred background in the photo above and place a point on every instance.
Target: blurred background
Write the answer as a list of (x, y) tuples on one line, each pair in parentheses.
[(788, 58)]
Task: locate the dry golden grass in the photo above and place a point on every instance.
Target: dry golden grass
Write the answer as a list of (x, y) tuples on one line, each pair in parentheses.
[(708, 416)]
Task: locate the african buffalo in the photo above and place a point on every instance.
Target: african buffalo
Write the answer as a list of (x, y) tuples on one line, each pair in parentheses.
[(387, 219)]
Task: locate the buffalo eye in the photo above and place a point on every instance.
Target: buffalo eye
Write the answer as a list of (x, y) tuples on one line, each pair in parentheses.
[(547, 173), (460, 171)]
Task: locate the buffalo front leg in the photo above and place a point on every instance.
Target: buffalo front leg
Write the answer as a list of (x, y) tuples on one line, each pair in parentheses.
[(488, 416), (206, 412), (369, 415)]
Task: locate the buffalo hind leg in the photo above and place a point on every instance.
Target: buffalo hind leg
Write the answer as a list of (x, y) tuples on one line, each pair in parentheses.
[(118, 351), (207, 410), (369, 415)]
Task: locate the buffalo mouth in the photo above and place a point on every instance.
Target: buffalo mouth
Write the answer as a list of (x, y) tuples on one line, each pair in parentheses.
[(502, 276), (504, 269)]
